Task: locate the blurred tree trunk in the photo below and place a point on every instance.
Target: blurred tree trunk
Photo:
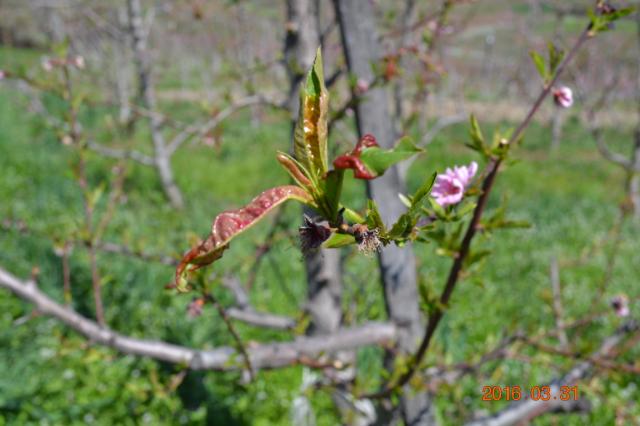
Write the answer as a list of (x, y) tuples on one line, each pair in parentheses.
[(399, 83), (397, 265), (324, 274), (634, 173), (162, 155), (323, 267)]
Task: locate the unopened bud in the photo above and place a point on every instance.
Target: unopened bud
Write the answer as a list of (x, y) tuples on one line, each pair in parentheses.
[(563, 97), (362, 86)]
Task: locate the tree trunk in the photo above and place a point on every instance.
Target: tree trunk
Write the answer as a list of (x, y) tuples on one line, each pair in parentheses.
[(324, 275), (397, 265), (323, 267), (162, 156), (633, 186)]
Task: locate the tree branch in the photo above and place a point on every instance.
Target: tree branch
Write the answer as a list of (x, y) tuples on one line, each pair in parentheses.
[(204, 128), (120, 154), (490, 174), (266, 356)]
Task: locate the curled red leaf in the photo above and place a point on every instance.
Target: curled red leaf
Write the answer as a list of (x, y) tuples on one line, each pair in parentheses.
[(229, 224), (352, 160)]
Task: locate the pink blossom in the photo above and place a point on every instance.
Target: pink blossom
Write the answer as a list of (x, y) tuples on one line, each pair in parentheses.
[(620, 305), (47, 64), (449, 186), (563, 97), (2, 75), (362, 86), (78, 62)]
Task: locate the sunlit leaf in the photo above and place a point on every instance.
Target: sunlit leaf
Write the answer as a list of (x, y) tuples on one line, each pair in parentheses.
[(297, 172), (229, 224), (310, 136), (331, 193), (337, 240), (374, 220)]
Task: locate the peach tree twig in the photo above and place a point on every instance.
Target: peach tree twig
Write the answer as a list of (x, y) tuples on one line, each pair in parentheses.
[(490, 174)]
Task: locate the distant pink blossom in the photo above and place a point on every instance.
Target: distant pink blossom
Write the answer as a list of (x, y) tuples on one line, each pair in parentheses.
[(2, 75), (78, 62), (563, 97), (620, 305), (449, 186), (47, 64), (362, 86)]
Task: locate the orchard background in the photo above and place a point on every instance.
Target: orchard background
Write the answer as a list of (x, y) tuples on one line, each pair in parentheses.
[(127, 126)]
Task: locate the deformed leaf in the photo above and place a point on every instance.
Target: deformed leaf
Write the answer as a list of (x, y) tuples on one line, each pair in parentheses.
[(369, 161), (229, 224), (295, 170), (310, 135), (379, 160)]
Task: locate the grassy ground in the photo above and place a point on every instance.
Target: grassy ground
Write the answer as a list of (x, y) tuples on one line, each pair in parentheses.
[(48, 375)]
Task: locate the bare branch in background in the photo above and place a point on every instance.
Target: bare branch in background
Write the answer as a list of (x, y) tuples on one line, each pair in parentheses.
[(121, 154), (162, 155), (267, 356), (204, 128)]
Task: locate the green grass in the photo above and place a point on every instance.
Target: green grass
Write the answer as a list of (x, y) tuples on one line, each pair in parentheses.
[(49, 375)]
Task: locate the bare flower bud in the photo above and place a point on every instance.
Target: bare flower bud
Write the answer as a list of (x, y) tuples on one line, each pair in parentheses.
[(368, 239), (313, 234)]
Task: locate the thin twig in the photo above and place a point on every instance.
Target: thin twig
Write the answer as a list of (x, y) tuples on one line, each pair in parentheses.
[(490, 173), (209, 297)]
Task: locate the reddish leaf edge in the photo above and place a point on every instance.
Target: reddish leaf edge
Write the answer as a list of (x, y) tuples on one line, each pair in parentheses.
[(352, 160), (229, 224)]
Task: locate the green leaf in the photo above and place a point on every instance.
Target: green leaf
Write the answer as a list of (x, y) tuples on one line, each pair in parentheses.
[(405, 200), (330, 198), (229, 224), (555, 57), (540, 64), (374, 220), (477, 139), (310, 135), (423, 191), (352, 216), (379, 160), (337, 240)]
